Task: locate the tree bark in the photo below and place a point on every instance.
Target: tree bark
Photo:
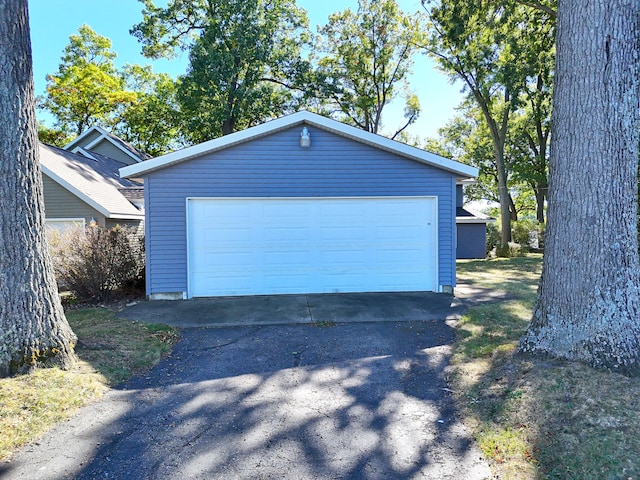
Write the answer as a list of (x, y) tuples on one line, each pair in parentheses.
[(540, 193), (588, 301), (33, 328)]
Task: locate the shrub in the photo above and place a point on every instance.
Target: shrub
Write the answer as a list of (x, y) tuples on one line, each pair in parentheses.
[(529, 233), (97, 263), (511, 249), (493, 236)]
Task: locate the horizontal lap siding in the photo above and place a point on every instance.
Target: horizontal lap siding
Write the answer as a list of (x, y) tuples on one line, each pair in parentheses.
[(276, 166), (61, 203), (84, 141), (108, 149)]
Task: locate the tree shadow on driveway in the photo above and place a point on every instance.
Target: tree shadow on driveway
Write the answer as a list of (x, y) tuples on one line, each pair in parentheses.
[(349, 401)]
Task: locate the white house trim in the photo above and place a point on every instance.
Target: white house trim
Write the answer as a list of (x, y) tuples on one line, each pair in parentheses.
[(95, 128), (87, 199), (288, 121), (84, 153), (104, 135), (474, 220)]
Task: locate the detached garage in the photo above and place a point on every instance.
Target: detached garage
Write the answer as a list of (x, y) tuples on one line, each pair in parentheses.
[(301, 204)]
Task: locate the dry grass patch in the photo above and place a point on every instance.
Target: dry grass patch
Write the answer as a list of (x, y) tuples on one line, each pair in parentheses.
[(111, 350), (536, 418)]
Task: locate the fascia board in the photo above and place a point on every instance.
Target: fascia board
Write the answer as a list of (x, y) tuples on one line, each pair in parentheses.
[(282, 123)]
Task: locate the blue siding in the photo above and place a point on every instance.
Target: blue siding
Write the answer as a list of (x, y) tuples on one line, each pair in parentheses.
[(472, 240), (276, 166)]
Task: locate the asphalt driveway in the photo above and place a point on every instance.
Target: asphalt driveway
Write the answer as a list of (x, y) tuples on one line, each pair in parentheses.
[(318, 400)]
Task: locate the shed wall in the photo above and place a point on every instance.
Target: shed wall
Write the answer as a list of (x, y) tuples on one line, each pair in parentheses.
[(472, 240)]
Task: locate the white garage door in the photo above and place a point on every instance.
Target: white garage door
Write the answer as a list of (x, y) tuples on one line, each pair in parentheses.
[(254, 246)]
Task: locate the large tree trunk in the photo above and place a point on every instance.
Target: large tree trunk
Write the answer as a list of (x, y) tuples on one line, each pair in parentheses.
[(33, 328), (588, 303)]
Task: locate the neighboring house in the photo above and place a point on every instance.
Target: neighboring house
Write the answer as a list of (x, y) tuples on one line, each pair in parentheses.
[(98, 140), (471, 229), (301, 204), (86, 189)]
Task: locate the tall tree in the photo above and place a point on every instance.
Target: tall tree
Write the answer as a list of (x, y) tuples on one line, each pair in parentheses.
[(244, 61), (366, 57), (86, 90), (533, 123), (152, 122), (588, 301), (531, 130), (33, 327), (484, 46), (468, 139)]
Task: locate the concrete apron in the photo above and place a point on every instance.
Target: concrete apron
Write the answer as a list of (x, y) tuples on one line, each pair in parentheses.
[(311, 308)]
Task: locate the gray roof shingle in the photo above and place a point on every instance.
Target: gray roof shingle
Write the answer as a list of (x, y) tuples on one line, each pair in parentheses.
[(94, 180)]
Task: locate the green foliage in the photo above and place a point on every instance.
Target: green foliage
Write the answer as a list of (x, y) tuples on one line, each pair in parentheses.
[(245, 64), (366, 56), (528, 233), (53, 136), (501, 51), (151, 123), (493, 236), (96, 263), (86, 90), (510, 250), (504, 54)]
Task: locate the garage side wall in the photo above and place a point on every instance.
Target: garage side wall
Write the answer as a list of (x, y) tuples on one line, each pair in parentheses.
[(472, 240), (276, 166)]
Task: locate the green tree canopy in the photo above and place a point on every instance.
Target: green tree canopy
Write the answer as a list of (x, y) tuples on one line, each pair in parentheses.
[(365, 58), (86, 89), (245, 61), (494, 48), (151, 123)]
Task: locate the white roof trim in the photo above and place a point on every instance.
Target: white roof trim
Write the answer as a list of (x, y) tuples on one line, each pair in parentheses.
[(84, 153), (282, 123), (96, 141), (94, 128), (104, 135), (474, 220), (85, 198)]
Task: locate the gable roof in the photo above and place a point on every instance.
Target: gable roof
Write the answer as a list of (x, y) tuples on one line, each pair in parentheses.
[(308, 118), (94, 180), (466, 215), (103, 135)]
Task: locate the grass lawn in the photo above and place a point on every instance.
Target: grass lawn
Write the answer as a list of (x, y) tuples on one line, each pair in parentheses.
[(110, 349), (537, 418)]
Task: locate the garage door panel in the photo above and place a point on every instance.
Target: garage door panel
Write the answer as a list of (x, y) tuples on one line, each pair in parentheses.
[(286, 235), (284, 282), (339, 234), (349, 256), (262, 246), (290, 259)]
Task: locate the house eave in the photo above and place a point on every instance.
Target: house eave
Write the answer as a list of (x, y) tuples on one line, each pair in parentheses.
[(474, 220), (273, 126), (87, 199)]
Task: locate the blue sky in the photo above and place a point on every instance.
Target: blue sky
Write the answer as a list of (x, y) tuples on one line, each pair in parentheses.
[(52, 21)]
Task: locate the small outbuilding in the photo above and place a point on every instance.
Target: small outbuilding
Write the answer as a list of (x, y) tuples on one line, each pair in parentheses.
[(301, 204)]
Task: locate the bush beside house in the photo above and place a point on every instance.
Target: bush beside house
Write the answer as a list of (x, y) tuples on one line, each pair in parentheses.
[(96, 263)]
